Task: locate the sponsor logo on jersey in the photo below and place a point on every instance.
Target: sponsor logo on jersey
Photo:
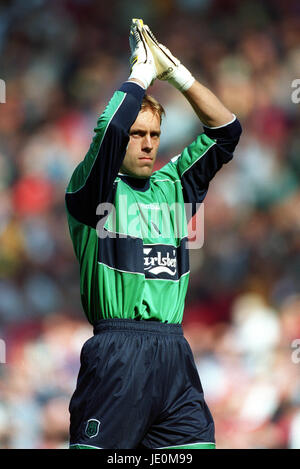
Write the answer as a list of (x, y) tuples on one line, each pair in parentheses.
[(159, 260)]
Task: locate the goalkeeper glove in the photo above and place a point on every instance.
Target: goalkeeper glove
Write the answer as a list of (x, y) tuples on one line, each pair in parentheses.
[(168, 68), (141, 60)]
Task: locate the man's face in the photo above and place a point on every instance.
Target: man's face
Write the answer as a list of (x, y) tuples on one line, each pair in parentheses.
[(143, 145)]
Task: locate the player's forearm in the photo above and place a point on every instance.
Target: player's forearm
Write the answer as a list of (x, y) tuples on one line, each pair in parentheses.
[(207, 106)]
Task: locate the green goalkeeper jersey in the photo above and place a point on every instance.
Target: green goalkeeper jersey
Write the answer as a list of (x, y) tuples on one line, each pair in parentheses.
[(130, 235)]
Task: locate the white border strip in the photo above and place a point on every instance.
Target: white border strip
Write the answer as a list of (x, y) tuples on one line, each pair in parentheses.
[(220, 126), (139, 273), (126, 235), (119, 270), (169, 279), (169, 180), (214, 143), (188, 444), (87, 446)]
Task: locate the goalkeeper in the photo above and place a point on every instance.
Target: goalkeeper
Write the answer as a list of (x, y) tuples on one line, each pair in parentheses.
[(138, 386)]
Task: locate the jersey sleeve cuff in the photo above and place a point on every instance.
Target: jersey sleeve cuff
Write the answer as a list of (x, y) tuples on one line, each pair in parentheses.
[(232, 130), (133, 88)]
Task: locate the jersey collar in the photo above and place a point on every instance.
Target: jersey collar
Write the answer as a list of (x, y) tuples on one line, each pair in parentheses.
[(138, 184)]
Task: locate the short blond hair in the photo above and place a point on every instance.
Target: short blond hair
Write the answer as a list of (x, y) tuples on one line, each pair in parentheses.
[(151, 103)]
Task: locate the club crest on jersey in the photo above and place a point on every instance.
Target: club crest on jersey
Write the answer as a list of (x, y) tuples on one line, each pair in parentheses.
[(92, 428), (160, 260)]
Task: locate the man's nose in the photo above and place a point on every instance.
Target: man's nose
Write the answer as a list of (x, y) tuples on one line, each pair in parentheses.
[(147, 143)]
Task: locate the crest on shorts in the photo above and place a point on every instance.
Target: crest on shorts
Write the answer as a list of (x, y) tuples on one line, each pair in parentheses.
[(92, 428)]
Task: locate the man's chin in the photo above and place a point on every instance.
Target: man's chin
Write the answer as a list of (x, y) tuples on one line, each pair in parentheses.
[(146, 170), (141, 173)]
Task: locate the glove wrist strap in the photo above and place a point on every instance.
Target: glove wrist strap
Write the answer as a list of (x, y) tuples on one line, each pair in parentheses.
[(181, 78), (144, 73)]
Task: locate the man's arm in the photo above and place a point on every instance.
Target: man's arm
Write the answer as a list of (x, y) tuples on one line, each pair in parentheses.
[(92, 180), (199, 162), (207, 106), (209, 109)]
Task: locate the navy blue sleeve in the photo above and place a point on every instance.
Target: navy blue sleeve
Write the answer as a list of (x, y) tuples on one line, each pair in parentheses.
[(195, 180), (92, 180)]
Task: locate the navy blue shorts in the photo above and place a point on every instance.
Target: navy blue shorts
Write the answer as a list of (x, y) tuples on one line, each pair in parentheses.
[(138, 387)]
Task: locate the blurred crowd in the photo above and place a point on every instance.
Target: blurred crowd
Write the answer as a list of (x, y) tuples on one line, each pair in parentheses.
[(61, 62)]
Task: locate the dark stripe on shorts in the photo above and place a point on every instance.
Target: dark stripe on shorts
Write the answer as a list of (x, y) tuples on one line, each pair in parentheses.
[(137, 326)]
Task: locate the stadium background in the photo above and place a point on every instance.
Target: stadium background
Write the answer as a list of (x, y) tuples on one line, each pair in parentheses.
[(61, 61)]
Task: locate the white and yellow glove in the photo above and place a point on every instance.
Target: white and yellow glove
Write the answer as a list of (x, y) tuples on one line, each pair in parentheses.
[(141, 60), (168, 68)]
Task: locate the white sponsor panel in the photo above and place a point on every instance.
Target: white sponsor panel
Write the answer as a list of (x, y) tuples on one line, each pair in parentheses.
[(156, 263)]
